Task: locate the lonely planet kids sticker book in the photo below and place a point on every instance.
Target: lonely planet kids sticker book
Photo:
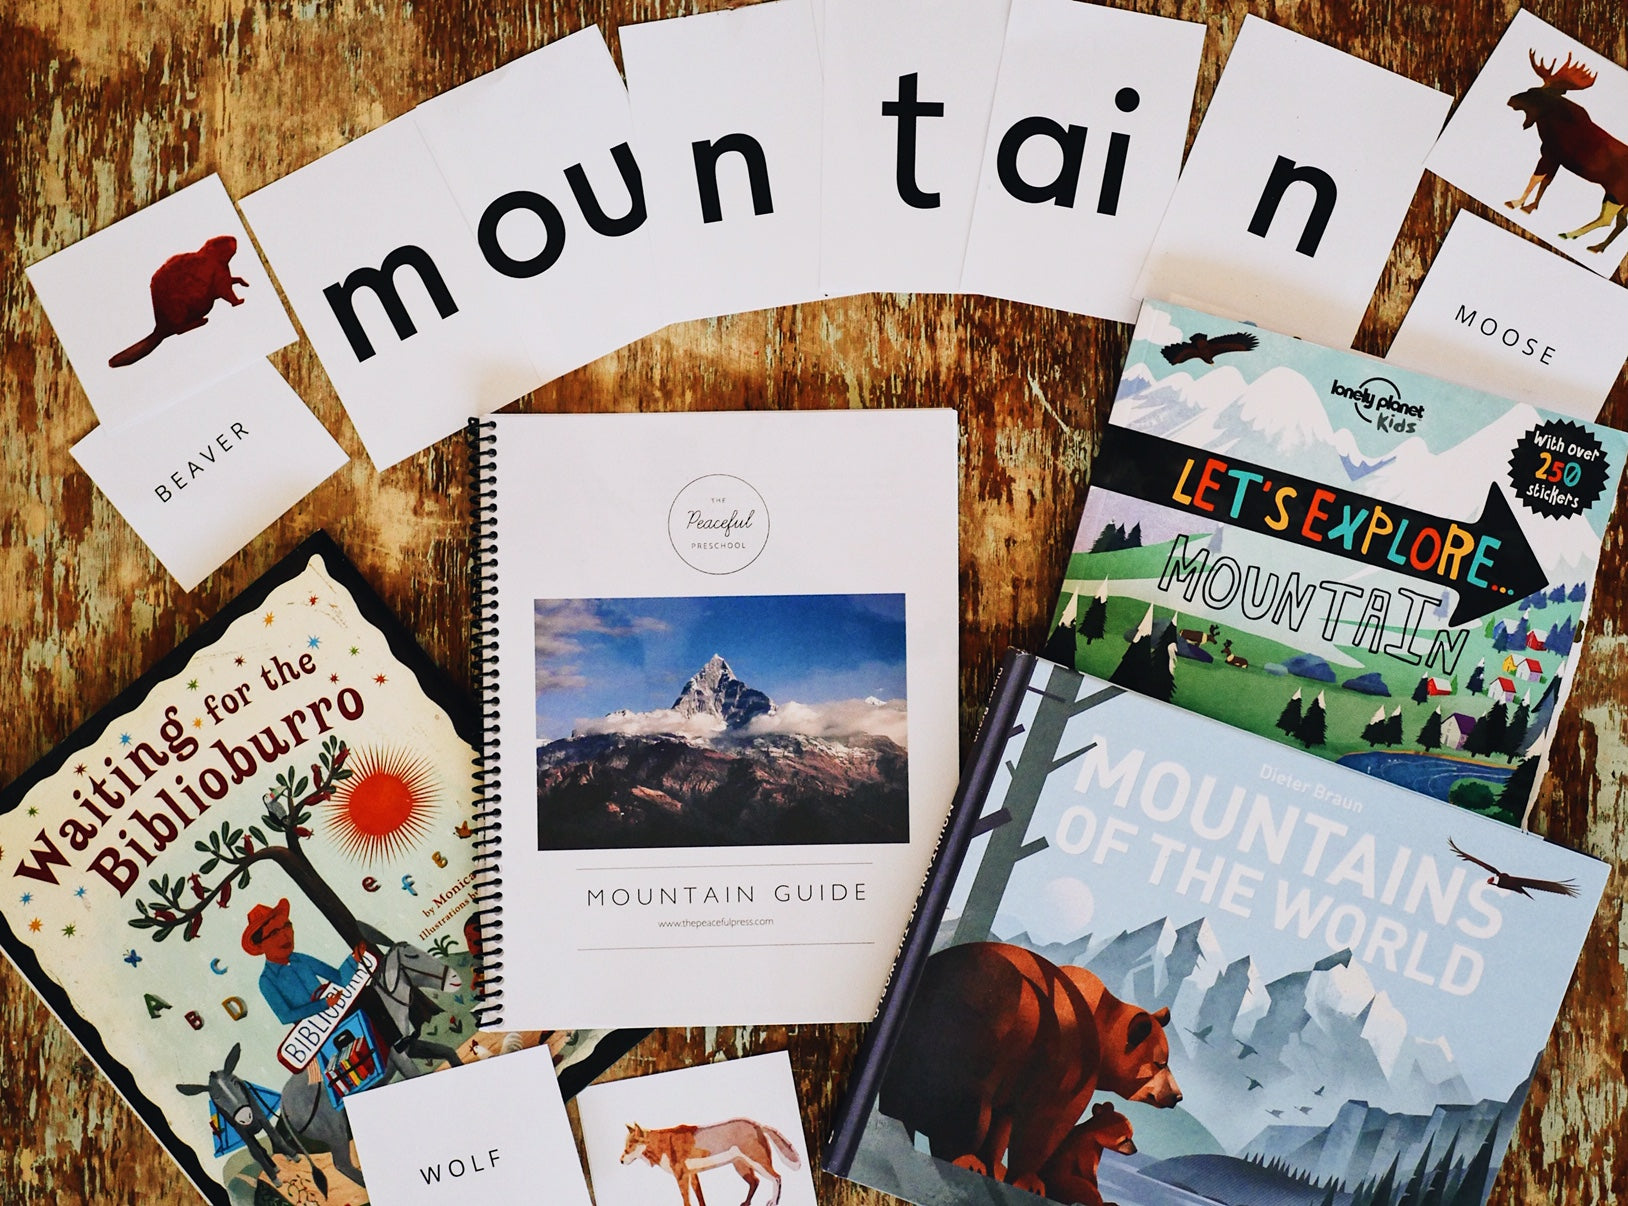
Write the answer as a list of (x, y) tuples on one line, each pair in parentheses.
[(1163, 962), (1366, 563), (247, 886)]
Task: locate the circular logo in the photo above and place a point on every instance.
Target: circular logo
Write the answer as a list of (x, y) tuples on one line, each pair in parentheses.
[(1558, 469), (718, 524)]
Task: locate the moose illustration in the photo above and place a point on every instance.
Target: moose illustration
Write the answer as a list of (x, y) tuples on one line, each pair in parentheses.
[(1568, 138)]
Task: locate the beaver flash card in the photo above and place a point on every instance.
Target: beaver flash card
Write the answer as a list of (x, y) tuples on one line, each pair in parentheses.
[(492, 1131), (722, 1132), (162, 304), (1539, 137), (200, 479)]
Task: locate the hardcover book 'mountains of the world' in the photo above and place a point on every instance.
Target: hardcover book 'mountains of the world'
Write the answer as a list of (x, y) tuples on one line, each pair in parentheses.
[(1366, 563), (1162, 962)]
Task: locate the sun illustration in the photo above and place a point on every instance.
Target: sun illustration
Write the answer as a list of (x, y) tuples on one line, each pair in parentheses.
[(385, 807)]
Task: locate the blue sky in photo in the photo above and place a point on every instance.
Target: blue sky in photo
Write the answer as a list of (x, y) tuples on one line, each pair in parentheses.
[(594, 656)]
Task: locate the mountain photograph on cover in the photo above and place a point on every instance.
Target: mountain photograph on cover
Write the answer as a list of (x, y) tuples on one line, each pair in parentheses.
[(757, 720)]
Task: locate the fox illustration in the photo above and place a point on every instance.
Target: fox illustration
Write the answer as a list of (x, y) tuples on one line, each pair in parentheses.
[(687, 1151)]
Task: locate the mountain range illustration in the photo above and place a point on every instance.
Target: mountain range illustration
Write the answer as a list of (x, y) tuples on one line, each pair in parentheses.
[(1280, 419), (725, 766)]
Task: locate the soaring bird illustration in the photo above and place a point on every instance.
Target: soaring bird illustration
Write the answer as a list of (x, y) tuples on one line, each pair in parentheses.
[(1202, 347), (1304, 1109), (1318, 1091), (1246, 1051), (1203, 1035), (1275, 1113), (1253, 1084), (1517, 883)]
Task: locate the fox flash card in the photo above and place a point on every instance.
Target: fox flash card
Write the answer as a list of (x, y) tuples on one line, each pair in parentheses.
[(720, 1130)]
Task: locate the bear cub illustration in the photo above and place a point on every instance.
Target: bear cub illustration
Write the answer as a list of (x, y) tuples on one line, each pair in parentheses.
[(1071, 1173), (1000, 1054)]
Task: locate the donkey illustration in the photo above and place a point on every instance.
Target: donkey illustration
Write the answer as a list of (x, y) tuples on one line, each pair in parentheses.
[(308, 1113), (1568, 138), (239, 1105)]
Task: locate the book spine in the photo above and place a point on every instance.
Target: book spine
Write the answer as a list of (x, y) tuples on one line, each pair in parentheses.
[(481, 436), (959, 829)]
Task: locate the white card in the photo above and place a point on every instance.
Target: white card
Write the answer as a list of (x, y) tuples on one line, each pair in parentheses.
[(175, 293), (390, 285), (1084, 147), (726, 110), (1495, 148), (638, 554), (1321, 153), (491, 1131), (201, 478), (908, 84), (1501, 314), (637, 1135), (517, 147)]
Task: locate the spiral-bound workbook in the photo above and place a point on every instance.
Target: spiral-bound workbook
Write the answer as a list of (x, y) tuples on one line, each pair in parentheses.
[(246, 885), (717, 657)]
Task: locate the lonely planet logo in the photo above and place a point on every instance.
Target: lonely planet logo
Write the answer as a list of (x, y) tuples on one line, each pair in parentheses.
[(1378, 401)]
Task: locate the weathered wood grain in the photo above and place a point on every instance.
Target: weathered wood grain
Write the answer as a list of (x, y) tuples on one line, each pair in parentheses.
[(105, 108)]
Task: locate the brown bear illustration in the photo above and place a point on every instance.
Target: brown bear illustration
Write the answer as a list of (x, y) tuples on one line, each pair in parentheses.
[(1071, 1173), (184, 289), (1001, 1051)]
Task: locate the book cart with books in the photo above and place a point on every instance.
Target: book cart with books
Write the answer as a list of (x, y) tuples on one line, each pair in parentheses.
[(101, 121)]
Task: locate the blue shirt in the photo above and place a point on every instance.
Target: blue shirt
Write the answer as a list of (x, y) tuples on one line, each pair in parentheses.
[(292, 989)]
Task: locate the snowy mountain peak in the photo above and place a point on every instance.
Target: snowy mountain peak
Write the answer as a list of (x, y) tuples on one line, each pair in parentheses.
[(713, 690)]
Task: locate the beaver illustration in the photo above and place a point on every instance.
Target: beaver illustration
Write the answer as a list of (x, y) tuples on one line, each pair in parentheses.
[(1001, 1051), (185, 287)]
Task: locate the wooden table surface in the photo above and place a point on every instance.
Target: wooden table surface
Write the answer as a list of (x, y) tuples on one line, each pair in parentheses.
[(107, 108)]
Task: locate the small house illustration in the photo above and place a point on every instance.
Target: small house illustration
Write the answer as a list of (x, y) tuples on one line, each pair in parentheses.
[(1439, 686), (1502, 690), (1535, 642), (1524, 669), (1456, 729)]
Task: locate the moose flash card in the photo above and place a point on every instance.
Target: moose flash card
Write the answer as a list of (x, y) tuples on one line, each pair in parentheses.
[(156, 307), (1295, 188), (395, 291), (492, 1131), (1085, 142), (726, 114), (1502, 314), (714, 1132), (1159, 961), (198, 480), (539, 158), (1542, 136), (908, 84)]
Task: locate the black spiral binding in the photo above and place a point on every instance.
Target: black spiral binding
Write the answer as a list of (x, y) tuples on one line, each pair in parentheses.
[(488, 817)]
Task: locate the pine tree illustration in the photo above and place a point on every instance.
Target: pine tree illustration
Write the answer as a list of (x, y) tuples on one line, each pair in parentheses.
[(1429, 737), (1313, 729), (1289, 718)]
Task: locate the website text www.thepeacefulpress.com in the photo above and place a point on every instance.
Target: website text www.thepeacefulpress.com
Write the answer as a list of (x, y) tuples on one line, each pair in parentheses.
[(697, 923)]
